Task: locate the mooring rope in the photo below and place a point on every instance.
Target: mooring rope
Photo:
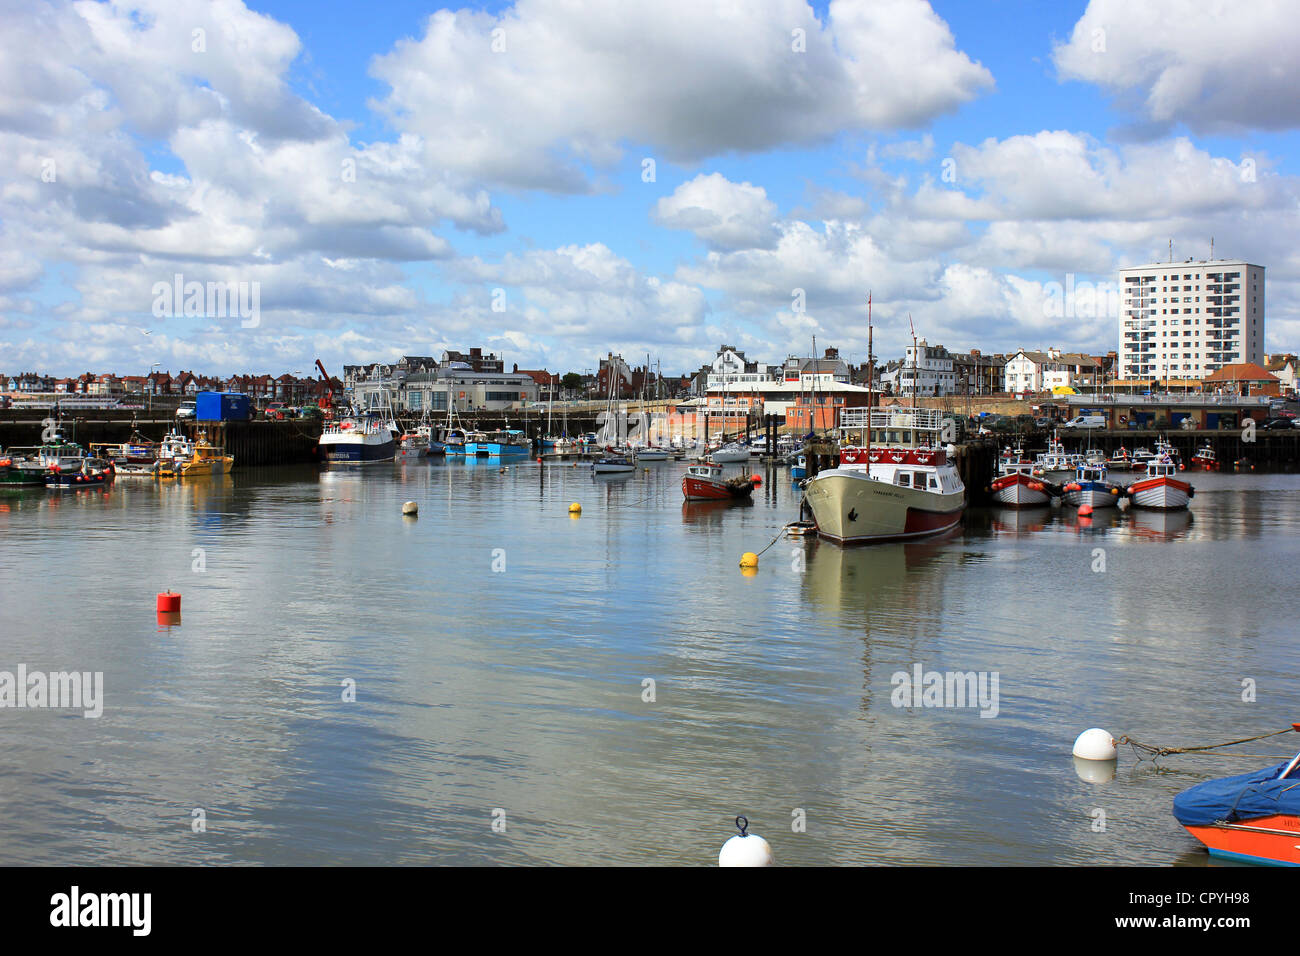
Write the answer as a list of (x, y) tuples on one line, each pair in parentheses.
[(1155, 752)]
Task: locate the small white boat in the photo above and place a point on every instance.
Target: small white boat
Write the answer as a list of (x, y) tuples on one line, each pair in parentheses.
[(1017, 485), (730, 453), (612, 463), (650, 453)]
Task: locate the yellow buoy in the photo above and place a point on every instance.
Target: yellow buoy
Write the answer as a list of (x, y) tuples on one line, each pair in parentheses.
[(410, 508), (749, 560), (575, 509)]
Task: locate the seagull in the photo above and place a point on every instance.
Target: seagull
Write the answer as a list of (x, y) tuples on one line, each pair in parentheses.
[(147, 331)]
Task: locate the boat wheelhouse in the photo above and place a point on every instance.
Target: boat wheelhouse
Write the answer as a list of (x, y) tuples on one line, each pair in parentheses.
[(894, 481)]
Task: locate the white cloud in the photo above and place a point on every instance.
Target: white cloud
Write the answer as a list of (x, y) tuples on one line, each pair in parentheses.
[(1210, 64), (572, 84), (724, 214)]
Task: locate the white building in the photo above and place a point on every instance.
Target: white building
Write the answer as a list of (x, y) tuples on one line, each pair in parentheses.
[(730, 366), (1186, 319), (1029, 372), (928, 368)]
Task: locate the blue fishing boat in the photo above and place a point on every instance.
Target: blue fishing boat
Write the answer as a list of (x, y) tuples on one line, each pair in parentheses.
[(506, 441), (799, 470), (1090, 486)]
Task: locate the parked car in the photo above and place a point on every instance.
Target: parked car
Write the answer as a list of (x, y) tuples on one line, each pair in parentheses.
[(1043, 423), (275, 411), (1272, 423), (1086, 421), (187, 409)]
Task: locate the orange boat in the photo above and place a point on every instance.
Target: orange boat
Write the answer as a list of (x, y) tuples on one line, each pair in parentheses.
[(704, 482), (1252, 817)]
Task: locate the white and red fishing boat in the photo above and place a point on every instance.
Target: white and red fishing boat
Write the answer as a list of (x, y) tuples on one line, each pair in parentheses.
[(706, 482), (1017, 485), (1160, 487), (1206, 458), (893, 482), (1251, 817)]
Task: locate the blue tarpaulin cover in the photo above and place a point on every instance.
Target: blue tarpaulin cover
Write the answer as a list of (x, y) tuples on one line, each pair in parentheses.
[(1243, 797)]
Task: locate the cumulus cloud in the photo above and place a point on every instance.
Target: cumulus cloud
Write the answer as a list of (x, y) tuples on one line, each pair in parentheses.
[(1209, 64), (724, 214), (533, 97)]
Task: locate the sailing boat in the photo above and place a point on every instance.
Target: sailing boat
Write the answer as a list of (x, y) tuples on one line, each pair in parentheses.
[(905, 487)]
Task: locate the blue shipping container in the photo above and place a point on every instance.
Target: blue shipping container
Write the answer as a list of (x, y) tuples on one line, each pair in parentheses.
[(221, 407)]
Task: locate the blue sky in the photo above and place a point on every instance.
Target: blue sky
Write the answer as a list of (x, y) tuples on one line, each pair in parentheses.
[(1077, 137)]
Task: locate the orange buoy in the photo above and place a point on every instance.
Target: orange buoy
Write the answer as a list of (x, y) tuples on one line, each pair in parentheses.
[(1085, 510), (756, 480), (169, 603)]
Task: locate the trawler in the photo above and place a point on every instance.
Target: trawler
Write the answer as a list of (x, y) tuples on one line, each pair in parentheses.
[(894, 481)]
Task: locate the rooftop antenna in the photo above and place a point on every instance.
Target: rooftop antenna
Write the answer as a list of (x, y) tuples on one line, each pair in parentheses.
[(1171, 251), (1211, 248)]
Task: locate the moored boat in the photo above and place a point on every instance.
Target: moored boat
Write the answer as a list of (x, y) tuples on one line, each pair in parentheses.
[(1206, 457), (799, 470), (730, 453), (1160, 487), (1253, 817), (892, 483), (1017, 485), (612, 463), (204, 459), (1091, 486), (357, 440), (706, 482)]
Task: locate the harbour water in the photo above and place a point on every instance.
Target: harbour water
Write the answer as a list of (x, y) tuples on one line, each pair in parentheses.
[(501, 650)]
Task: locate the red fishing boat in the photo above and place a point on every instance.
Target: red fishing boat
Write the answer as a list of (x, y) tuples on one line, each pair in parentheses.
[(1206, 458), (1253, 817), (705, 482)]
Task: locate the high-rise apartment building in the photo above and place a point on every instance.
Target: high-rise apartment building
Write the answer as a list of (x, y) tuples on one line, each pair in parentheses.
[(1186, 319)]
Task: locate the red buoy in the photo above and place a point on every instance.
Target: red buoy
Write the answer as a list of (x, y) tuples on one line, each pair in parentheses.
[(1085, 510), (755, 480), (169, 603)]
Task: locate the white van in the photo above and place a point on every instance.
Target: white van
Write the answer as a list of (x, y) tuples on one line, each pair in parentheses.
[(1086, 421)]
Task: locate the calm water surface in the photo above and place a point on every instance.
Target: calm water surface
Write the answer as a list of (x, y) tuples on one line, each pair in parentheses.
[(521, 689)]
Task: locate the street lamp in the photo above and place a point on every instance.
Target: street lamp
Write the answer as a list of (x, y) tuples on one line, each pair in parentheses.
[(149, 399)]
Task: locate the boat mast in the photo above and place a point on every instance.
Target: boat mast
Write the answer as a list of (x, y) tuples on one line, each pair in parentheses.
[(871, 382)]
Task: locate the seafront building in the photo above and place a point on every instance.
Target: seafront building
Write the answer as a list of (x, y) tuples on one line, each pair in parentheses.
[(1183, 321)]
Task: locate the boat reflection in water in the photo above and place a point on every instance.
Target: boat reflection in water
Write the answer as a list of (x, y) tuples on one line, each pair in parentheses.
[(853, 582), (1159, 525), (711, 512), (1020, 521), (1099, 522)]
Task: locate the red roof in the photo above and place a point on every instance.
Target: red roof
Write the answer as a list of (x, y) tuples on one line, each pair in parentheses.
[(1240, 372)]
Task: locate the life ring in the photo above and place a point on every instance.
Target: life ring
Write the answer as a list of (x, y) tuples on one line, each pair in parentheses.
[(1123, 419)]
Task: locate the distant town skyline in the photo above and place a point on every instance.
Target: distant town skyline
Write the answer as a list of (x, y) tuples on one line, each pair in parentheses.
[(229, 187)]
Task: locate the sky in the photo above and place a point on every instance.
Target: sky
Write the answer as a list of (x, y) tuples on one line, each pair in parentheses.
[(555, 180)]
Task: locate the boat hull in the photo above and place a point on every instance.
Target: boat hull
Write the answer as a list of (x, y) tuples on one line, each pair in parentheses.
[(850, 508), (351, 450), (704, 489), (1020, 491), (1273, 840), (493, 449), (1166, 494), (1095, 494), (730, 456)]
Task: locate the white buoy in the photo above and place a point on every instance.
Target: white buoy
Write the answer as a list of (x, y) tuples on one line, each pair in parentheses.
[(410, 508), (747, 849), (1095, 744)]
